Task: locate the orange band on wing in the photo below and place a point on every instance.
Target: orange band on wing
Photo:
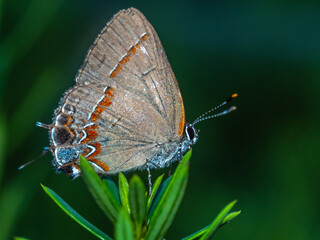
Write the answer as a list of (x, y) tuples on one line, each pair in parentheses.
[(91, 158), (183, 120), (69, 121), (132, 50), (105, 102), (97, 151), (144, 37), (97, 146), (127, 57), (91, 133), (104, 166)]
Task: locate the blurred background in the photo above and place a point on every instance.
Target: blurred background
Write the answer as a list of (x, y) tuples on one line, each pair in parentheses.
[(265, 154)]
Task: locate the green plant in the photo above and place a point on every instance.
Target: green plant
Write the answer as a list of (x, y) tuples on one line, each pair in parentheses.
[(135, 214)]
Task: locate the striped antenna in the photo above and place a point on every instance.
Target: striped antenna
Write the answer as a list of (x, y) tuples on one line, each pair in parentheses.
[(204, 117), (45, 150)]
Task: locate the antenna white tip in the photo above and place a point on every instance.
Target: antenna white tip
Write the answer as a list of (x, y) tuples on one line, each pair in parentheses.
[(45, 150), (42, 125)]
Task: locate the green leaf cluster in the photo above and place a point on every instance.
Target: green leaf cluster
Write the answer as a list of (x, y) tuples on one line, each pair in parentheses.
[(134, 213)]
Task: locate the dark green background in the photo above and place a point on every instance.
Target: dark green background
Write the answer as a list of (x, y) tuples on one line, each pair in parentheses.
[(266, 154)]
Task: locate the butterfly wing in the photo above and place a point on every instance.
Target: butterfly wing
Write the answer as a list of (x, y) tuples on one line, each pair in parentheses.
[(128, 52), (127, 100)]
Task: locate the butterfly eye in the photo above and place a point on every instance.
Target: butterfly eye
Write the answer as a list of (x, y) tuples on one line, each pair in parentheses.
[(190, 132)]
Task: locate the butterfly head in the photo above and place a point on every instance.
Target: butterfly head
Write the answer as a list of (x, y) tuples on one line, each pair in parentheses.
[(191, 133)]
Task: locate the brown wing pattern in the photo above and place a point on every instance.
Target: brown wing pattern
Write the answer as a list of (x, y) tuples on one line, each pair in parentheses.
[(127, 99)]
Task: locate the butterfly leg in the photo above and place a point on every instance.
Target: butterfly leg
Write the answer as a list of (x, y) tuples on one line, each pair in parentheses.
[(179, 153), (149, 178), (169, 173), (179, 156)]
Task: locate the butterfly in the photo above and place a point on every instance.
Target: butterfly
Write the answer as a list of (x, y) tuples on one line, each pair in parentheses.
[(126, 111)]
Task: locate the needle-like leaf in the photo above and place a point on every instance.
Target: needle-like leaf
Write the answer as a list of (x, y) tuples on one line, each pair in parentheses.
[(75, 215), (217, 221), (124, 192), (138, 203), (124, 229), (102, 194), (199, 233)]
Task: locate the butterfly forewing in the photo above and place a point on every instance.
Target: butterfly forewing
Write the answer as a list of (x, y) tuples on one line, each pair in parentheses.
[(129, 54)]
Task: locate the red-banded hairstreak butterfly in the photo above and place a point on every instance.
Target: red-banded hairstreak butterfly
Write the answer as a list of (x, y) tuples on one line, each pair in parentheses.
[(125, 111)]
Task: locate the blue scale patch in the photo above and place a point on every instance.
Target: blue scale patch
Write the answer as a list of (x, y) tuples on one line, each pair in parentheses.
[(66, 155)]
